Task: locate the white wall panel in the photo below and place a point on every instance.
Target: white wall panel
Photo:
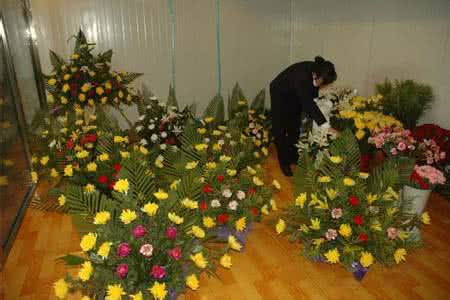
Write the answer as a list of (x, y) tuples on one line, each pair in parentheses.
[(369, 41), (255, 43)]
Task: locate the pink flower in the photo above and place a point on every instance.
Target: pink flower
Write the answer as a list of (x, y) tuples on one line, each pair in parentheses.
[(392, 233), (401, 146), (336, 213), (146, 250), (394, 151), (139, 231), (442, 155), (122, 270), (171, 232), (175, 253), (331, 234), (158, 272), (123, 250)]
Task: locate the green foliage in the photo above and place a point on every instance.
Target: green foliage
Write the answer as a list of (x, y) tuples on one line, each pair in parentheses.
[(216, 110), (258, 103), (406, 100), (233, 101)]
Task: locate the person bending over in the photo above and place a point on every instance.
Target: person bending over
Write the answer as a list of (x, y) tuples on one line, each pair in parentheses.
[(292, 92)]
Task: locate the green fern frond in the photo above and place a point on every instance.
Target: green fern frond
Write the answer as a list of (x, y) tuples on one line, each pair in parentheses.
[(233, 105), (305, 175), (216, 109)]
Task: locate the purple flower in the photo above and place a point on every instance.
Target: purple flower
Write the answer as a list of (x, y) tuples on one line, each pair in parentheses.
[(158, 272), (171, 232), (122, 270), (146, 250), (139, 231), (123, 250)]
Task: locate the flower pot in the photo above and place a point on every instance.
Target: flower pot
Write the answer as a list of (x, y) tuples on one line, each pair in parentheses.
[(418, 199)]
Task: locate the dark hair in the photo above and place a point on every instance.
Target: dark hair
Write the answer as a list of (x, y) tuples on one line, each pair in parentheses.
[(324, 69)]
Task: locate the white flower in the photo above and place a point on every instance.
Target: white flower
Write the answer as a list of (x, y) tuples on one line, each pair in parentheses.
[(153, 98), (139, 128), (227, 193), (149, 106), (206, 140), (144, 142), (240, 195), (177, 130), (52, 144), (228, 135), (163, 134), (251, 125), (160, 158), (151, 126), (215, 203), (163, 146), (221, 142), (141, 118), (154, 137), (233, 205)]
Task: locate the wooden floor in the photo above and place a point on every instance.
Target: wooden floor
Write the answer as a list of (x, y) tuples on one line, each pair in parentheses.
[(270, 267)]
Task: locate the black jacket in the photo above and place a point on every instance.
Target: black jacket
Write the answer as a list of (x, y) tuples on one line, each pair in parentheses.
[(296, 92)]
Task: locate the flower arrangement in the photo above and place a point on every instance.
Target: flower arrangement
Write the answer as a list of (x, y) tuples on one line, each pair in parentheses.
[(426, 177), (394, 141), (316, 143), (87, 80), (346, 217)]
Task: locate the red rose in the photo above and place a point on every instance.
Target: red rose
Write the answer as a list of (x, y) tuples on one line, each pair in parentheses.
[(203, 205), (220, 178), (70, 144), (103, 179), (207, 189), (255, 211), (117, 167), (353, 200), (111, 186), (358, 219), (363, 237), (91, 93), (222, 218), (251, 191), (92, 137)]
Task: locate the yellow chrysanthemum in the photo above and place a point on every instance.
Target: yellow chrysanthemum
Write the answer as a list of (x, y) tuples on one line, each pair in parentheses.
[(348, 181), (61, 288), (91, 167), (161, 195), (250, 170), (44, 160), (150, 209), (103, 157), (233, 243), (400, 255), (425, 217), (224, 158), (276, 184), (88, 241), (332, 256), (225, 261), (217, 147), (331, 193), (68, 170), (65, 88), (324, 179), (209, 119), (174, 184), (392, 210), (315, 224), (366, 259), (376, 226), (191, 204), (231, 172), (89, 188), (336, 159), (82, 154), (273, 204), (115, 292), (61, 200), (241, 224), (122, 186), (281, 226), (371, 198), (257, 181), (211, 165), (103, 250), (125, 154), (137, 296), (208, 222), (102, 217), (363, 175), (127, 216), (99, 90), (216, 132), (360, 134), (201, 147), (201, 130), (265, 210), (85, 271), (51, 81), (191, 165), (175, 218), (345, 230), (192, 282), (301, 199), (198, 232), (199, 260)]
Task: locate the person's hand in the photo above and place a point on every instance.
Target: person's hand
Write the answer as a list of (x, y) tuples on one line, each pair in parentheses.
[(333, 131)]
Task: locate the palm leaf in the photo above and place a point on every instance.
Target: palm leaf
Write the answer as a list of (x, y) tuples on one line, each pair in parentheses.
[(258, 103), (56, 60), (305, 175), (233, 105), (171, 99), (130, 77), (216, 109)]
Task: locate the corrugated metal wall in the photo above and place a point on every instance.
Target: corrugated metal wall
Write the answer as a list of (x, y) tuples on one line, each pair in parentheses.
[(367, 40), (254, 40)]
